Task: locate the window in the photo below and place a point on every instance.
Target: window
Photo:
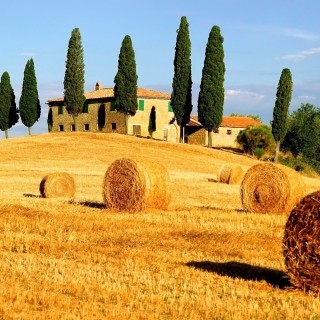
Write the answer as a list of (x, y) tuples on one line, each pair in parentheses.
[(165, 134), (112, 106), (136, 130), (85, 108), (73, 128), (141, 105), (61, 127), (86, 127), (228, 131), (60, 110), (113, 126), (215, 130), (170, 107)]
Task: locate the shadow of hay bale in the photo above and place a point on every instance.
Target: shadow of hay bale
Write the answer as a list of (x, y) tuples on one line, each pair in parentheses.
[(233, 269)]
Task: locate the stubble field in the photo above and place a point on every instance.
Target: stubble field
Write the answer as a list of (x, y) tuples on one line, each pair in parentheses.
[(203, 258)]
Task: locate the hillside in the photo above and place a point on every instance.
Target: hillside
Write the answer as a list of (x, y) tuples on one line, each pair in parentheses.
[(203, 258), (85, 156)]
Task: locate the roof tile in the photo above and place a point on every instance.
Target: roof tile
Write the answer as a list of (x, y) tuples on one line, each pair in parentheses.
[(108, 93)]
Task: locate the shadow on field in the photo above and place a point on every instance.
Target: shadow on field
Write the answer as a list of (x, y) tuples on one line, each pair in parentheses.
[(233, 269), (29, 195), (91, 204), (222, 209)]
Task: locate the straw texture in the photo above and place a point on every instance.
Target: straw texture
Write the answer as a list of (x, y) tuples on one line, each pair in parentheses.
[(230, 174), (271, 188), (134, 186), (301, 243), (57, 185)]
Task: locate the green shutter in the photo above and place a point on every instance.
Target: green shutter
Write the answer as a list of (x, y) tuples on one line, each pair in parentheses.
[(60, 110), (170, 107), (85, 108), (141, 105), (112, 106)]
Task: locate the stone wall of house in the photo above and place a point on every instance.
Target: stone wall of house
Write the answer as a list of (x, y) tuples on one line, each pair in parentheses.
[(226, 137), (139, 123), (65, 122), (115, 121), (197, 135)]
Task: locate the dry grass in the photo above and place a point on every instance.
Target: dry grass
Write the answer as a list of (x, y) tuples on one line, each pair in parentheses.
[(203, 258)]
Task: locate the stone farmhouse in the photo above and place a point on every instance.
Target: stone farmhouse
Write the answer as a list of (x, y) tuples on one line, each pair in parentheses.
[(99, 114), (226, 134)]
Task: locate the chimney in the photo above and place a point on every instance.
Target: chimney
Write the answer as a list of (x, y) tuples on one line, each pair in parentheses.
[(98, 86)]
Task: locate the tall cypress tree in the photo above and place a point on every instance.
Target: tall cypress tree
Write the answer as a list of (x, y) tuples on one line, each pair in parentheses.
[(5, 102), (181, 96), (14, 111), (125, 81), (29, 104), (74, 77), (281, 109), (211, 94)]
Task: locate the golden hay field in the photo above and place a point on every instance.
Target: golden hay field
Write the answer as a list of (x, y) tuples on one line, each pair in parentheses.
[(203, 258)]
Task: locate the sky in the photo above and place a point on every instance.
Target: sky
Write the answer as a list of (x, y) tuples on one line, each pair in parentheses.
[(261, 38)]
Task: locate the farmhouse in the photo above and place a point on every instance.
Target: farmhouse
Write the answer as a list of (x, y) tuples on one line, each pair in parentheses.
[(225, 136), (99, 114)]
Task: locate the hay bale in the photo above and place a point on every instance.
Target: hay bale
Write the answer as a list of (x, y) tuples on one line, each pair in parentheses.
[(133, 186), (301, 243), (57, 185), (271, 188), (230, 174)]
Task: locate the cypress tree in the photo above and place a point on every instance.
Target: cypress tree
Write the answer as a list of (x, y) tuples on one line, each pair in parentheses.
[(152, 121), (281, 109), (14, 111), (211, 94), (74, 77), (181, 96), (29, 104), (50, 120), (5, 102), (125, 81)]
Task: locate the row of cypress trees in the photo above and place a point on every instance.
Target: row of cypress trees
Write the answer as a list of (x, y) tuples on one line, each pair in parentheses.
[(29, 104), (125, 89), (211, 94)]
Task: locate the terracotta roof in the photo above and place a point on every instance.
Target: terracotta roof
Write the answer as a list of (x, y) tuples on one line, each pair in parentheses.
[(233, 122), (108, 93)]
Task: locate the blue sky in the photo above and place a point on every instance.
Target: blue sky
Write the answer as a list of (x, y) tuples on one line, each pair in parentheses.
[(260, 39)]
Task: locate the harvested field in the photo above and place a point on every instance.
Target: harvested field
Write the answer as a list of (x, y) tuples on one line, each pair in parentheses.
[(201, 258)]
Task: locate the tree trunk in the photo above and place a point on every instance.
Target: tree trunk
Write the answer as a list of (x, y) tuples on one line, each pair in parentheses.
[(6, 134), (75, 119), (126, 121), (29, 131), (210, 139), (277, 151), (181, 134)]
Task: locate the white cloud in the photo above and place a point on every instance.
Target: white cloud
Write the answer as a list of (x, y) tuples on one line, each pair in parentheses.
[(296, 33), (301, 55), (242, 96), (28, 54), (306, 97), (287, 32)]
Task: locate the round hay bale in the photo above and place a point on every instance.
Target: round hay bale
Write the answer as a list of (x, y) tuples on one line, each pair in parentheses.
[(133, 186), (301, 244), (57, 185), (271, 188), (230, 174)]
